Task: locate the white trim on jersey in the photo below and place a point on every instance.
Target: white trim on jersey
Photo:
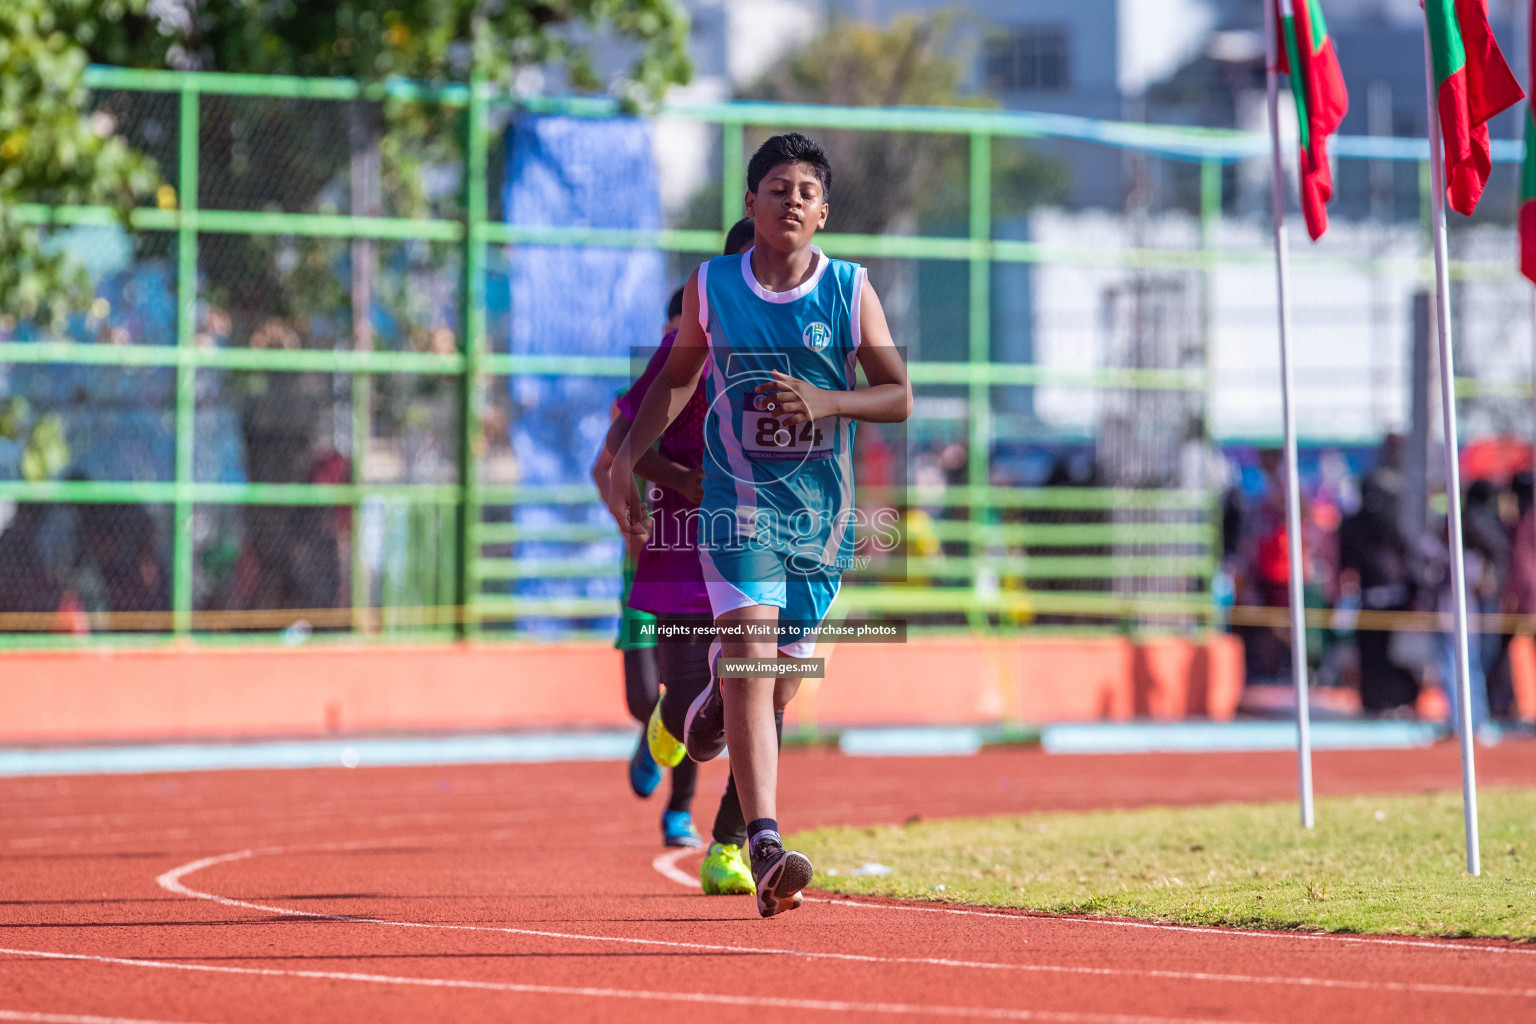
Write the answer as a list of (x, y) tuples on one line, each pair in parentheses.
[(840, 526), (855, 329), (853, 317), (746, 497), (740, 468), (798, 292), (834, 546)]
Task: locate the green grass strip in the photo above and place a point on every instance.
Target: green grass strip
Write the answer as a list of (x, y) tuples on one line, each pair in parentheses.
[(1382, 865)]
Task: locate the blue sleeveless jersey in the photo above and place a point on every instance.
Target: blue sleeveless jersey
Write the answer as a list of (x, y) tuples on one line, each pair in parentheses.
[(790, 488)]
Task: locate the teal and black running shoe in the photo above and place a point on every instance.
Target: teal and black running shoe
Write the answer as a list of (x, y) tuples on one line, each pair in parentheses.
[(644, 772), (677, 830)]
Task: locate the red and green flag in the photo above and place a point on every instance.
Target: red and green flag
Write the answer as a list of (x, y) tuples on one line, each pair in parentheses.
[(1473, 83), (1528, 174), (1308, 56)]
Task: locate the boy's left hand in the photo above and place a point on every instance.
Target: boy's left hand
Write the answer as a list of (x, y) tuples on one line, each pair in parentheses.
[(798, 401)]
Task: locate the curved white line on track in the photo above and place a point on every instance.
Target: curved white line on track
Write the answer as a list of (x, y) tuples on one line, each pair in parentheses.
[(826, 1005), (666, 863), (671, 871), (171, 882), (75, 1018)]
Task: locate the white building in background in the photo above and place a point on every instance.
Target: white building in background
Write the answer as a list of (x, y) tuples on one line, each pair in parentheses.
[(1088, 58), (1352, 329), (1099, 58), (1091, 58), (1347, 390), (732, 43)]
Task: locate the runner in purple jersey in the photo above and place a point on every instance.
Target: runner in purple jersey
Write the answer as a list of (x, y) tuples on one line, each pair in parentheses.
[(669, 583), (668, 578), (642, 687)]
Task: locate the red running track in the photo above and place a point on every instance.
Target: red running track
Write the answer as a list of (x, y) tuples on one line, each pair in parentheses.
[(528, 892)]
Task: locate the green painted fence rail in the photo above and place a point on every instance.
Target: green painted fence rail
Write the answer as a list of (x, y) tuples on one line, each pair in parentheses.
[(1166, 535)]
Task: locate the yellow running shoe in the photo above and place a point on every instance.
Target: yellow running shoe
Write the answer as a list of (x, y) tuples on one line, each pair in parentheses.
[(724, 871), (664, 746)]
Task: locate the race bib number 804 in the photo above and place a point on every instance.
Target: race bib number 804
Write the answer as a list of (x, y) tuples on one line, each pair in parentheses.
[(764, 437)]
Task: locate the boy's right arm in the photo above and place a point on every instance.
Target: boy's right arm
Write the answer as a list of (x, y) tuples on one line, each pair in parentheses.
[(667, 396), (604, 459), (652, 465)]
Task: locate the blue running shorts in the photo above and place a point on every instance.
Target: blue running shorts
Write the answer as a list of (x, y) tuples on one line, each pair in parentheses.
[(746, 573)]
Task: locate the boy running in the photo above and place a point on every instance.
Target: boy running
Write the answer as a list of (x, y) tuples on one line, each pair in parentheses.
[(782, 327)]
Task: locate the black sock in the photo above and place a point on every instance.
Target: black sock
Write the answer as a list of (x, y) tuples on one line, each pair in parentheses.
[(763, 828)]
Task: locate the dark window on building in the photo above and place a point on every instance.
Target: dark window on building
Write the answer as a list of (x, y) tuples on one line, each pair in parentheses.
[(1029, 58)]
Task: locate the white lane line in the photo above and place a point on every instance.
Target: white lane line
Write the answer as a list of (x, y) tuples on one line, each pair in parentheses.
[(171, 881), (671, 871), (667, 865), (306, 823), (1210, 930), (75, 1018), (826, 1005)]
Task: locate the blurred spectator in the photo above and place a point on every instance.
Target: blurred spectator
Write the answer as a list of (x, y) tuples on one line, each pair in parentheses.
[(1374, 561), (1486, 534), (1262, 574), (76, 560), (26, 585), (1438, 583), (1518, 596), (122, 547), (1231, 521), (1520, 580), (292, 557)]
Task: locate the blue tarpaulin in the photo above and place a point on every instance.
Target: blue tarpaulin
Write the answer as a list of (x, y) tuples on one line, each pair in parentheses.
[(570, 301)]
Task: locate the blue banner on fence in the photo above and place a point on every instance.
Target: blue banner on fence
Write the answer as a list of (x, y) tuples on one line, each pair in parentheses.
[(576, 301)]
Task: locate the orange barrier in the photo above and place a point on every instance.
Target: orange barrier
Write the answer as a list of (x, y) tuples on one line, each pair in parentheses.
[(188, 692), (965, 681), (1522, 671)]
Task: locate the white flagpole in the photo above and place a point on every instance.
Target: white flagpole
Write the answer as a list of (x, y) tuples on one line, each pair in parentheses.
[(1287, 383), (1452, 467)]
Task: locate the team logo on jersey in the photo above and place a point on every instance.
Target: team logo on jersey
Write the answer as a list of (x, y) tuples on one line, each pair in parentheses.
[(816, 335)]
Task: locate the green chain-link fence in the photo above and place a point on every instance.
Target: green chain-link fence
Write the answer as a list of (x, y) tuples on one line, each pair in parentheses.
[(367, 408)]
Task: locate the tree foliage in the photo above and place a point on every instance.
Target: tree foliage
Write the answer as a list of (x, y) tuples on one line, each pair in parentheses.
[(421, 39), (53, 148), (902, 176), (56, 148)]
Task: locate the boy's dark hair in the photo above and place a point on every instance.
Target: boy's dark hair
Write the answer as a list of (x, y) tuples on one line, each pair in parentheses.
[(675, 304), (789, 148), (739, 235)]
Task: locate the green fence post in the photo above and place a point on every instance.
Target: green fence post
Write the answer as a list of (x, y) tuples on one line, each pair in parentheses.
[(186, 371), (1210, 220), (472, 318), (362, 415), (733, 174), (362, 390), (979, 406)]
